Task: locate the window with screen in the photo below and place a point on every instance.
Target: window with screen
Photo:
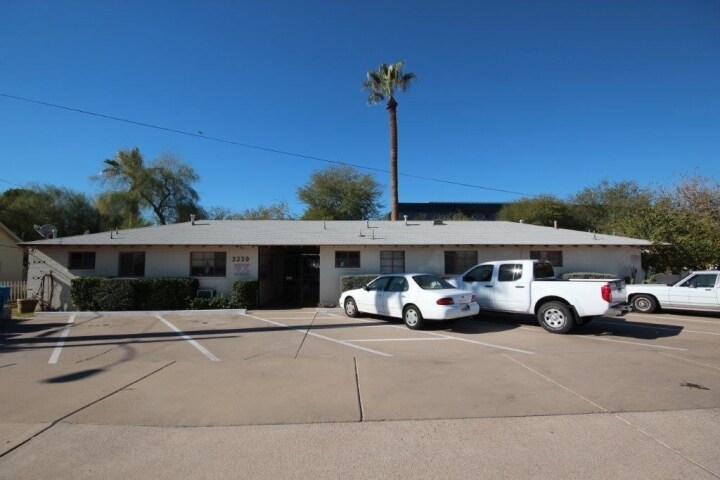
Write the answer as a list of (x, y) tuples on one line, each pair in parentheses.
[(207, 264), (347, 259), (81, 261), (553, 256), (132, 264), (392, 262), (460, 261)]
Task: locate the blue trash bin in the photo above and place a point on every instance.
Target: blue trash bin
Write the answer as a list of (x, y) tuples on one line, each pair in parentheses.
[(4, 296)]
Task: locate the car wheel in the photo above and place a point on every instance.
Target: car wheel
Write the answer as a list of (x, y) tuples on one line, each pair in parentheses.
[(644, 304), (555, 317), (351, 309), (413, 318)]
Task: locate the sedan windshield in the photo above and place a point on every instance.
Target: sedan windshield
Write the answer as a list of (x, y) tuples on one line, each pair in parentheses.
[(431, 282)]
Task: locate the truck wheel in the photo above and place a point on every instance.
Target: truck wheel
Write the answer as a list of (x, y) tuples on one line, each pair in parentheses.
[(413, 318), (555, 317), (351, 307), (644, 304)]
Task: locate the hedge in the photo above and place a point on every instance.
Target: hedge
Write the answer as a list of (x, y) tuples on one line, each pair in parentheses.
[(351, 282), (218, 302), (588, 276), (120, 294), (245, 293)]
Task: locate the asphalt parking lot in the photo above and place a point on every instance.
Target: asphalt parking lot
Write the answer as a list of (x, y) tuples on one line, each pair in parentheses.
[(314, 394)]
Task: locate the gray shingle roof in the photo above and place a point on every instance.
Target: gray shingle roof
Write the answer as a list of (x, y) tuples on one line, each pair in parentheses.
[(342, 233)]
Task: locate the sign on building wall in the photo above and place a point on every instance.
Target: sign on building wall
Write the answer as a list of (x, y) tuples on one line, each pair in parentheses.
[(240, 265)]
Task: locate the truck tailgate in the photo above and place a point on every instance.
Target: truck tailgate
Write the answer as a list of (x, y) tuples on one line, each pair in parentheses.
[(619, 291)]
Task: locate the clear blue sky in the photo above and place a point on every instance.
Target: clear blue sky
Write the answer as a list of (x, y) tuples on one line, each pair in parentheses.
[(528, 96)]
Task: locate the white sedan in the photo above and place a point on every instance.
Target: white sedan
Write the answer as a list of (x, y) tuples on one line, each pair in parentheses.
[(414, 297)]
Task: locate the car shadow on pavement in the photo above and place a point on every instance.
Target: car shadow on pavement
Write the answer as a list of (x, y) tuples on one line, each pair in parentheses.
[(70, 341), (11, 329), (600, 326), (621, 327)]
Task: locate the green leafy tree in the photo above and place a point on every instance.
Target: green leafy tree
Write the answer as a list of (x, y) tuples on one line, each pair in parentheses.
[(685, 223), (275, 211), (163, 188), (71, 212), (613, 208), (340, 193), (542, 210), (382, 84)]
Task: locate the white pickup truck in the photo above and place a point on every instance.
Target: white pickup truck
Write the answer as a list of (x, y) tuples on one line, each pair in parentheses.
[(698, 291), (530, 286)]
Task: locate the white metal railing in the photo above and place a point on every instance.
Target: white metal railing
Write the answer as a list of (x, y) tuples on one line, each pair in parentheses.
[(18, 290)]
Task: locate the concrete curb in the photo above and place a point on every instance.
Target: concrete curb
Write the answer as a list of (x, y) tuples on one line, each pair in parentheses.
[(135, 313)]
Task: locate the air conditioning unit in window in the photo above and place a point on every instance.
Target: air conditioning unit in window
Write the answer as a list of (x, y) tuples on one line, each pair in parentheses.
[(208, 293)]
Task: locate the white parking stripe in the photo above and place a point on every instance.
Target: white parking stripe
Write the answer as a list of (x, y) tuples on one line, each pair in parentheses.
[(307, 331), (400, 340), (556, 383), (678, 330), (58, 348), (688, 360), (190, 340), (451, 337)]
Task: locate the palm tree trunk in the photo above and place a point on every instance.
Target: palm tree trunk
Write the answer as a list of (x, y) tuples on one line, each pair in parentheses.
[(392, 116)]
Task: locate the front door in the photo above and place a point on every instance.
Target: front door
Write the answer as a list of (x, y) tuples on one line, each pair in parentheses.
[(289, 277)]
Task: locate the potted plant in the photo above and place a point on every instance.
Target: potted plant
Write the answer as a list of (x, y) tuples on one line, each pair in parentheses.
[(27, 305)]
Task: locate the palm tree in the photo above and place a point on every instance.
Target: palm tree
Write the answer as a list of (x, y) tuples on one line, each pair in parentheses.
[(164, 186), (128, 178), (383, 83)]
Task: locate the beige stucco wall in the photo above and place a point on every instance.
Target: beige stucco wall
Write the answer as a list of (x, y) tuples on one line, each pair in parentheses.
[(11, 259), (242, 263)]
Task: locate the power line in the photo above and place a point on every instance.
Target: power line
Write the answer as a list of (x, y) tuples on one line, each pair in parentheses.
[(254, 147), (11, 183)]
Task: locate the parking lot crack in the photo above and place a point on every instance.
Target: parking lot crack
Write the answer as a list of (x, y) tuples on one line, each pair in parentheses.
[(359, 395), (64, 417), (103, 353), (302, 342), (605, 410), (675, 451)]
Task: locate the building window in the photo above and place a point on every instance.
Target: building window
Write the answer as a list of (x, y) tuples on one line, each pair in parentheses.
[(132, 264), (207, 264), (460, 261), (392, 262), (347, 259), (81, 261), (552, 256)]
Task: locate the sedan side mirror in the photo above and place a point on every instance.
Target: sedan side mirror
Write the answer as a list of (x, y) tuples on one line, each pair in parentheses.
[(366, 288), (468, 278)]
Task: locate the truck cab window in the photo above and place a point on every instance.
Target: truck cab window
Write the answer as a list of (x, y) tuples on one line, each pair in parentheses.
[(481, 273), (510, 272)]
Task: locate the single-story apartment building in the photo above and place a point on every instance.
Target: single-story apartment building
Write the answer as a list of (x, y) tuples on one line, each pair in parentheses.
[(300, 263)]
